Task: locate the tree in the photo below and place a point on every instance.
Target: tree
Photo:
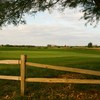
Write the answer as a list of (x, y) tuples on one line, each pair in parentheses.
[(13, 11), (90, 45)]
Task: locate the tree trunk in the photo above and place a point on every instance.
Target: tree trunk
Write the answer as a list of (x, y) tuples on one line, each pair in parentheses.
[(97, 2)]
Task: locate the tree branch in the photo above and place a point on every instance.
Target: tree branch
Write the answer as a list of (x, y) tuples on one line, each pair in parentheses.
[(97, 2)]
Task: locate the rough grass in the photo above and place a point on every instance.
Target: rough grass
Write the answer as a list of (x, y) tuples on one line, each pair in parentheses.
[(70, 57)]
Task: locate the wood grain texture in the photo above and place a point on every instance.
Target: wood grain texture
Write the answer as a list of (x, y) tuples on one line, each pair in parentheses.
[(61, 68), (60, 80), (22, 73), (9, 61), (10, 77)]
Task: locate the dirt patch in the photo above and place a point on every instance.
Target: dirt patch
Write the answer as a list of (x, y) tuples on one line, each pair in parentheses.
[(94, 48), (72, 76)]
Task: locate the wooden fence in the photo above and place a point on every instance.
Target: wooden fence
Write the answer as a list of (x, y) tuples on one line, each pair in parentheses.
[(22, 78)]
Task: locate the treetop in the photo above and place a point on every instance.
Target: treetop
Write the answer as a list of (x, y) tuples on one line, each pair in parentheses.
[(13, 11)]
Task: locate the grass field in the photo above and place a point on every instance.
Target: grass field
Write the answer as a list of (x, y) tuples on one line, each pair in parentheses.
[(68, 57)]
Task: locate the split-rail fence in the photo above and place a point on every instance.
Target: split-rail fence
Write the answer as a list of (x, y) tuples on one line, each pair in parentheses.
[(22, 78)]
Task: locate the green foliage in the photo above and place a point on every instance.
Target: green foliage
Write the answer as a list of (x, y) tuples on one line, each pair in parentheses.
[(13, 11)]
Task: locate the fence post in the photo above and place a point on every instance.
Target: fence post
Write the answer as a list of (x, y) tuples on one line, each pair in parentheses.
[(22, 73)]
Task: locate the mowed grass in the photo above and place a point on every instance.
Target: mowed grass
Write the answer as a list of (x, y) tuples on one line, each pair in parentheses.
[(68, 57), (72, 57)]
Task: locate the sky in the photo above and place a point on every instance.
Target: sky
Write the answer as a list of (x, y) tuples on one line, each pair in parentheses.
[(56, 28)]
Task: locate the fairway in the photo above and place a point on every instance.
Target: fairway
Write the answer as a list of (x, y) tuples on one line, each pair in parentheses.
[(68, 57)]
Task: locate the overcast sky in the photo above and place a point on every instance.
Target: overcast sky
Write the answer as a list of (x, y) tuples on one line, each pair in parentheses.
[(52, 28)]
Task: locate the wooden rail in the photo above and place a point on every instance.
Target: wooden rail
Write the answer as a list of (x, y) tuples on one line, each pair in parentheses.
[(10, 77), (22, 78), (76, 70), (60, 80), (9, 61)]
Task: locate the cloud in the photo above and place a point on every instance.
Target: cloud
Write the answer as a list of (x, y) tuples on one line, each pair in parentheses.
[(55, 28)]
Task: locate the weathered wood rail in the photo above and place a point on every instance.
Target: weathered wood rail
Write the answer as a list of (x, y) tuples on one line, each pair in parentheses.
[(22, 78)]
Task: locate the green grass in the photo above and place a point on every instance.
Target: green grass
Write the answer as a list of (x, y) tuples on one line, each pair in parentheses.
[(68, 57)]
